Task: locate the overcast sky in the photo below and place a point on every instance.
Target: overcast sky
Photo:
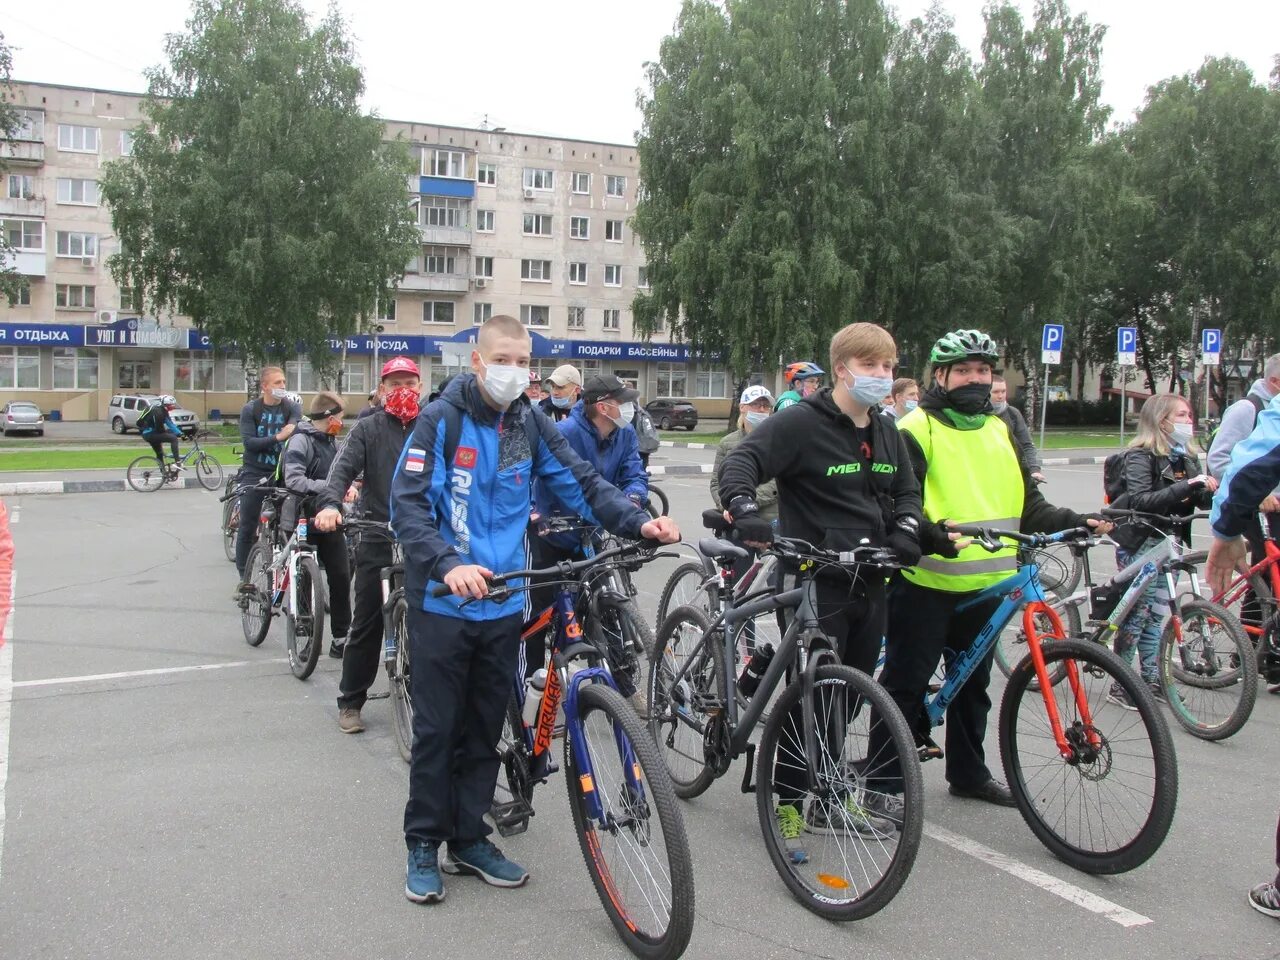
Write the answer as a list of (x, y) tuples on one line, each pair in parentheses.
[(572, 67)]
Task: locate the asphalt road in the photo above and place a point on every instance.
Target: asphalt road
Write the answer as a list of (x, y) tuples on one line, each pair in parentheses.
[(212, 809)]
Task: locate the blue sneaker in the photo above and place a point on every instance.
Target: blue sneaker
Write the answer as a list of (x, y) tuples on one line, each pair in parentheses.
[(482, 859), (422, 883)]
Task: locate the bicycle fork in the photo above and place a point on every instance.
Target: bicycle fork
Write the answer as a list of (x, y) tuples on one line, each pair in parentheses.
[(1066, 748)]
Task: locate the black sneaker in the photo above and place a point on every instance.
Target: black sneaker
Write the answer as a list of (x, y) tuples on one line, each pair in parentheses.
[(1120, 697), (336, 646)]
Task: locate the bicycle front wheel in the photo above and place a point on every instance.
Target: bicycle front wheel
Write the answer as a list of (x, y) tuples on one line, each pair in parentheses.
[(1011, 645), (1207, 670), (679, 703), (255, 614), (230, 527), (401, 701), (843, 846), (637, 852), (208, 472), (145, 475), (304, 626), (1107, 805)]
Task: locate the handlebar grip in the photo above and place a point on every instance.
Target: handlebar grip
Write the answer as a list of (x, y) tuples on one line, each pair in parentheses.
[(441, 590)]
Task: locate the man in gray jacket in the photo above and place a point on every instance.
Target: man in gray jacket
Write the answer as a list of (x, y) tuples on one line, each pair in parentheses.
[(1013, 418), (369, 456)]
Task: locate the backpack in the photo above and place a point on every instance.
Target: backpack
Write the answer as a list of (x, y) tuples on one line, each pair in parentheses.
[(645, 431), (151, 418), (1258, 407), (1113, 482)]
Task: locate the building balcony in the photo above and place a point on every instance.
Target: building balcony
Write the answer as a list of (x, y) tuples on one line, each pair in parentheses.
[(22, 152), (22, 206), (435, 282), (446, 236), (27, 263)]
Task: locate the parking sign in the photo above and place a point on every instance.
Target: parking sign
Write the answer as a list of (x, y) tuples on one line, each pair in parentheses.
[(1127, 346), (1051, 343), (1210, 346)]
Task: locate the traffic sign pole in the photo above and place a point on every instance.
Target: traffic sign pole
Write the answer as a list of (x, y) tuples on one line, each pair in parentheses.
[(1051, 341), (1127, 356), (1210, 356)]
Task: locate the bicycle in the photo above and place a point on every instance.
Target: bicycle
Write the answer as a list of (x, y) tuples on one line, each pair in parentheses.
[(1059, 575), (616, 781), (395, 633), (147, 474), (284, 576), (231, 511), (1076, 758), (815, 770)]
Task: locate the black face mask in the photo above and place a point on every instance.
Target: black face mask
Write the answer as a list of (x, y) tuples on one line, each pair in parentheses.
[(970, 399)]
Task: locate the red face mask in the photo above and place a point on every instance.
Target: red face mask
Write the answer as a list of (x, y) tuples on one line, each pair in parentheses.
[(402, 403)]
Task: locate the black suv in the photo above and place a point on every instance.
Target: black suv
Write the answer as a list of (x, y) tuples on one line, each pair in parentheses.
[(668, 413)]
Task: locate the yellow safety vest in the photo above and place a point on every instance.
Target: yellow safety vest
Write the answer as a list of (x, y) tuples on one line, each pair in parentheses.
[(973, 477)]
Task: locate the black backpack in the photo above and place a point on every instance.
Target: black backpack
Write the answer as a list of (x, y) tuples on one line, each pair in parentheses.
[(1113, 482), (151, 418)]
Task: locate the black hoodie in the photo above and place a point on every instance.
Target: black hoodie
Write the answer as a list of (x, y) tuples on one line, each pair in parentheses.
[(829, 493)]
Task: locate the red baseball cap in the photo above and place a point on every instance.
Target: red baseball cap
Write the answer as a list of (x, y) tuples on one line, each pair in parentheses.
[(399, 365)]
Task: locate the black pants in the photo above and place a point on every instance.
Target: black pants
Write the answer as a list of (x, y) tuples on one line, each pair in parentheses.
[(331, 548), (363, 652), (923, 626), (159, 439), (853, 616), (250, 510), (461, 682)]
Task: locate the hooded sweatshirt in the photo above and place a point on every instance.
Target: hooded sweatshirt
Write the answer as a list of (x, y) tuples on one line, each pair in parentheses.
[(1237, 423), (308, 455)]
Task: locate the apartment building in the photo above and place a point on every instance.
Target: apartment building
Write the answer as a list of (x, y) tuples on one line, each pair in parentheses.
[(536, 227)]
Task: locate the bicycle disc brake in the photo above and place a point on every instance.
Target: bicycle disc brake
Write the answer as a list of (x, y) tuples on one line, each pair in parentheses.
[(1091, 752)]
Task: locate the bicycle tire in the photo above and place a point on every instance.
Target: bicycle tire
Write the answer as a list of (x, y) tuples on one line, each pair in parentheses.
[(1014, 637), (633, 634), (1097, 669), (684, 588), (255, 618), (401, 697), (664, 503), (145, 475), (678, 904), (666, 719), (1260, 586), (905, 842), (208, 472), (230, 527), (1203, 704), (306, 623)]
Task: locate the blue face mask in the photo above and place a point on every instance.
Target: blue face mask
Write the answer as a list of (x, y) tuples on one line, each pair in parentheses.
[(755, 418), (910, 405), (869, 390), (561, 402)]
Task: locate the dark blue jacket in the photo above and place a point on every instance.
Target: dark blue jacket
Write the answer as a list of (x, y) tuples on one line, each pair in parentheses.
[(476, 508)]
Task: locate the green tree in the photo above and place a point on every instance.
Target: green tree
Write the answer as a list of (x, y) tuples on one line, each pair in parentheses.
[(259, 199), (11, 282)]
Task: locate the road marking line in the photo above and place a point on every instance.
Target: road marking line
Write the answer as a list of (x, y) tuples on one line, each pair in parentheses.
[(6, 701), (15, 513), (129, 674), (1059, 888)]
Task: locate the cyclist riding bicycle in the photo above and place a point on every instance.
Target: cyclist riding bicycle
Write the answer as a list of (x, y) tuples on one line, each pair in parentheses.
[(803, 378), (158, 428), (970, 471)]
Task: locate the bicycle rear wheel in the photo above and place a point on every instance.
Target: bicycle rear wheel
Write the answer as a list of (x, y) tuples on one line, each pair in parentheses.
[(849, 858), (1108, 806), (304, 627), (230, 527), (678, 718), (658, 501), (145, 475), (638, 853), (401, 701), (1207, 671), (685, 587), (255, 615), (208, 472)]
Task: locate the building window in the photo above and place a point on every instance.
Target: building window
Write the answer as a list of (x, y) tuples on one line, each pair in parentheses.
[(615, 186), (443, 212), (83, 192), (535, 315), (588, 369), (233, 376), (385, 309), (76, 244), (710, 383), (581, 182), (25, 235), (613, 231), (30, 124), (74, 296), (447, 163), (577, 318), (484, 267), (352, 379), (642, 277), (77, 139), (130, 300), (192, 371), (437, 311), (22, 296), (660, 325), (75, 368), (535, 179), (577, 273), (22, 186), (480, 312), (439, 260), (300, 376), (629, 376), (672, 380), (612, 319), (487, 174), (537, 224), (484, 221), (539, 270), (580, 228), (612, 275), (126, 143), (19, 368), (134, 374)]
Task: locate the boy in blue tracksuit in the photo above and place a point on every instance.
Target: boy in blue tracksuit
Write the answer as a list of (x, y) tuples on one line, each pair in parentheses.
[(460, 508)]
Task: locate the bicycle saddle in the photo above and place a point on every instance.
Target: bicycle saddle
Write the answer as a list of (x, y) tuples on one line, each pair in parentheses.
[(720, 549)]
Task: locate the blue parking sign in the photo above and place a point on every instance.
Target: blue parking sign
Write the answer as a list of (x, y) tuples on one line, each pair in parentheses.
[(1210, 340), (1051, 339), (1127, 340)]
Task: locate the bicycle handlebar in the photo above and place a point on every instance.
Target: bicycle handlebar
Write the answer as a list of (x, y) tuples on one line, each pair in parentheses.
[(643, 550), (792, 548), (1145, 517), (989, 537)]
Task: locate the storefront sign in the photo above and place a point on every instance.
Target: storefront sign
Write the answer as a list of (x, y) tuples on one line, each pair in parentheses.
[(41, 335)]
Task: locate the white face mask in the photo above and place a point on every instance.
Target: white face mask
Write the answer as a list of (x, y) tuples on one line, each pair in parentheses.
[(625, 412), (755, 418), (278, 394), (504, 382), (1180, 433)]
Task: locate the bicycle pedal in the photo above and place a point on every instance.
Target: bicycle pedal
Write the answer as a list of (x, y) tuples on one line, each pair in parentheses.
[(378, 696), (511, 818), (928, 749), (934, 688)]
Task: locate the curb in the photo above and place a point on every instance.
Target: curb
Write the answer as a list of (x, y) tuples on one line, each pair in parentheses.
[(42, 487), (1073, 461), (681, 469), (687, 446)]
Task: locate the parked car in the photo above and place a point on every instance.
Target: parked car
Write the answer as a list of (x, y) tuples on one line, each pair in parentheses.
[(668, 413), (124, 409), (22, 416)]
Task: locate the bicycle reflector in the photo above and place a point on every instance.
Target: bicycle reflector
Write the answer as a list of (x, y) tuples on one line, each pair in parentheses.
[(832, 881)]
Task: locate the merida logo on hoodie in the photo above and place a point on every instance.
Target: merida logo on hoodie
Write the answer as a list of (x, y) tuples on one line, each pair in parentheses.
[(846, 468)]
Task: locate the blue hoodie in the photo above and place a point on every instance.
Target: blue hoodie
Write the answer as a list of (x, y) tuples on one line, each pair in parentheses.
[(476, 509), (1254, 471)]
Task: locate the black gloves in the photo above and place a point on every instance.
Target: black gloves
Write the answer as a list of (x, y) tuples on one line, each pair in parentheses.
[(936, 538), (750, 526), (904, 547)]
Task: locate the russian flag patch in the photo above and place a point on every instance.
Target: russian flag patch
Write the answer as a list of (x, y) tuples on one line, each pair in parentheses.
[(415, 460)]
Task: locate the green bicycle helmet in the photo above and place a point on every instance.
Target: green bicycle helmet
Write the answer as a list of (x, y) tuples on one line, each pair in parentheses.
[(961, 345)]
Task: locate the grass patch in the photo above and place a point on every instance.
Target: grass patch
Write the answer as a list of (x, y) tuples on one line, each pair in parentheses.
[(1075, 439), (51, 460), (684, 436)]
